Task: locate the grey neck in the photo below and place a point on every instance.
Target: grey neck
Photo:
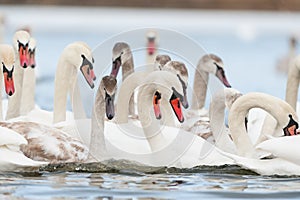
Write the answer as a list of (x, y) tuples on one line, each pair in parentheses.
[(97, 143), (199, 88)]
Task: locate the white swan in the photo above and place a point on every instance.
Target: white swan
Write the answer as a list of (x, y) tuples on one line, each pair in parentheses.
[(136, 79), (20, 44), (75, 57), (208, 64), (11, 158), (163, 145), (248, 154), (44, 143), (36, 131), (197, 117)]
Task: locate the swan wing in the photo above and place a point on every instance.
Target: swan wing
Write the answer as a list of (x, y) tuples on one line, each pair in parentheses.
[(10, 137), (286, 148), (276, 166)]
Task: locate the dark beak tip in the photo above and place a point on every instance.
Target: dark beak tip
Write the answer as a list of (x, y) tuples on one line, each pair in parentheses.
[(110, 116), (186, 105), (92, 86), (158, 117), (10, 93)]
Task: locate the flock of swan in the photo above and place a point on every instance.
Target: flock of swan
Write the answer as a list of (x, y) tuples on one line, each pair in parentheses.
[(147, 118)]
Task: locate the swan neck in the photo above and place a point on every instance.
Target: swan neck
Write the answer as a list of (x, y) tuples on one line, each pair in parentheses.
[(65, 73), (28, 93), (292, 86), (125, 93), (217, 124), (150, 124), (240, 109), (127, 68), (97, 143), (199, 88), (14, 103)]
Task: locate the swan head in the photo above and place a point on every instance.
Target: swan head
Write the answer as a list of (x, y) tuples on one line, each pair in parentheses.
[(7, 57), (231, 95), (160, 61), (213, 64), (79, 56), (156, 104), (166, 86), (151, 40), (181, 72), (108, 87), (121, 54), (20, 43), (291, 128), (31, 52)]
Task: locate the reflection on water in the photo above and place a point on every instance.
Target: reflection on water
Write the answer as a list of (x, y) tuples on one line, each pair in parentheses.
[(142, 182)]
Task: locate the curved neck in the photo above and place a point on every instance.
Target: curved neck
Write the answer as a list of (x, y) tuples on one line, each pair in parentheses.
[(14, 103), (240, 109), (28, 93), (125, 93), (163, 82), (199, 88), (76, 101), (127, 67), (97, 143), (292, 85), (150, 124), (64, 80), (217, 124)]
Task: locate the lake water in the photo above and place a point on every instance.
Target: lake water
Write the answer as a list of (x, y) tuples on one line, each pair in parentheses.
[(250, 43)]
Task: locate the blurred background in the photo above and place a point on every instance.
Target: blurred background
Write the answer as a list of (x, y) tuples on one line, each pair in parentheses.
[(255, 38)]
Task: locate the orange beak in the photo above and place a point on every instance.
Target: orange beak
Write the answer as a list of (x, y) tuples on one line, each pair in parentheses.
[(151, 46), (32, 58), (291, 128), (24, 56), (156, 102), (9, 84), (87, 70), (176, 106)]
